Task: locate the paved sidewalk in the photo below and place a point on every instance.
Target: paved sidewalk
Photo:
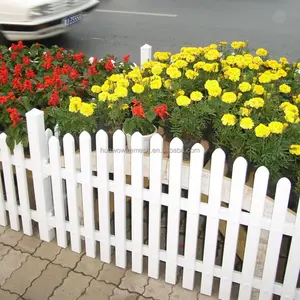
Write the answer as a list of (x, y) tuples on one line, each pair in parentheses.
[(34, 270)]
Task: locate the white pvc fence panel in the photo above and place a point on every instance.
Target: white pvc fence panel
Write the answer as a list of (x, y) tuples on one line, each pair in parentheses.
[(58, 214)]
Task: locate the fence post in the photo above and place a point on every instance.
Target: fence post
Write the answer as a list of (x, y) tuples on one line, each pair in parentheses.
[(146, 53), (41, 181)]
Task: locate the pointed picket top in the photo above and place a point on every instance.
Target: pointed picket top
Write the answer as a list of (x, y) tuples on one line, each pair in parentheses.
[(218, 154), (68, 139), (146, 53), (84, 137), (53, 142), (34, 113), (3, 136), (176, 143), (48, 134), (118, 140), (102, 138)]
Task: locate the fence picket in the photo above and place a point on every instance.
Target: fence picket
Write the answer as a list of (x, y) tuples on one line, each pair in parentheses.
[(192, 225), (275, 237), (71, 185), (120, 197), (253, 233), (9, 184), (23, 189), (3, 217), (156, 156), (233, 225), (87, 193), (146, 53), (103, 195), (212, 222), (137, 202), (176, 148), (293, 264), (57, 192)]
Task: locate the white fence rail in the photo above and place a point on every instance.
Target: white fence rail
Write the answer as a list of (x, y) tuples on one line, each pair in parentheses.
[(56, 179)]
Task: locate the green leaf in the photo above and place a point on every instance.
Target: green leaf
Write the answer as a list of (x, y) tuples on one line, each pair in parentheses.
[(151, 115)]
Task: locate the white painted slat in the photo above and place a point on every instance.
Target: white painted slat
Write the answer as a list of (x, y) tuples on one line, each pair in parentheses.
[(293, 264), (146, 53), (71, 184), (233, 226), (275, 238), (192, 224), (87, 193), (9, 184), (3, 217), (137, 183), (23, 189), (120, 198), (212, 221), (103, 195), (48, 134), (57, 192), (253, 234), (176, 149), (156, 156)]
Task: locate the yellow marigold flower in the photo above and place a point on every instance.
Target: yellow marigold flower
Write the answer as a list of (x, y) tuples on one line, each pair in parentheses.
[(156, 70), (168, 83), (276, 127), (262, 131), (155, 84), (190, 74), (180, 93), (253, 66), (135, 73), (147, 65), (213, 88), (238, 45), (222, 43), (297, 99), (264, 78), (212, 54), (180, 63), (284, 88), (211, 67), (255, 102), (213, 46), (245, 112), (233, 74), (245, 87), (110, 105), (199, 65), (115, 77), (173, 72), (138, 88), (281, 73), (124, 106), (246, 123), (75, 103), (290, 117), (257, 60), (112, 97), (229, 97), (230, 60), (103, 96), (162, 56), (183, 101), (196, 96), (123, 83), (284, 60), (258, 89), (96, 89), (87, 109), (228, 120), (121, 92), (261, 52), (295, 149), (105, 87)]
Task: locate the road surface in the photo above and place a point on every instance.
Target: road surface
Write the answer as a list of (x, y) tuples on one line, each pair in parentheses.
[(120, 27)]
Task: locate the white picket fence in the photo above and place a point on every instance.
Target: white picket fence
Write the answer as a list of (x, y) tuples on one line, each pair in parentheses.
[(49, 169)]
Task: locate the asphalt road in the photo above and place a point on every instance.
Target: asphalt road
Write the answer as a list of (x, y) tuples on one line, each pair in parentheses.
[(272, 24)]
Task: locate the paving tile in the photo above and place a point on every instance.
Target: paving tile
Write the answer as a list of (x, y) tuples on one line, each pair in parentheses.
[(10, 263), (143, 298), (3, 250), (67, 258), (72, 288), (134, 282), (42, 287), (111, 274), (28, 244), (124, 295), (2, 229), (89, 266), (5, 295), (22, 278), (181, 293), (11, 237), (47, 251), (98, 290), (157, 289)]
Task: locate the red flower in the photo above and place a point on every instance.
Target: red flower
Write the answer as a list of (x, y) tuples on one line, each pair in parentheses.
[(126, 58), (26, 61), (74, 74), (27, 86), (3, 74), (78, 57), (14, 116), (1, 56), (40, 86), (138, 111), (92, 70), (48, 61), (95, 60), (59, 55), (30, 73), (16, 83), (161, 111), (14, 55), (16, 47), (85, 82), (18, 70), (54, 99), (3, 99), (136, 102), (109, 66), (11, 96)]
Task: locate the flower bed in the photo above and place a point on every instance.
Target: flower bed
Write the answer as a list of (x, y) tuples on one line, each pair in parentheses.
[(246, 103)]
